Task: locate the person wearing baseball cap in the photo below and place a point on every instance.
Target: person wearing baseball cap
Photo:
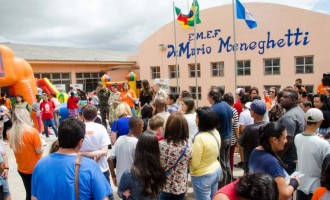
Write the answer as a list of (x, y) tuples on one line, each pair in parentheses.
[(237, 105), (250, 135), (311, 151)]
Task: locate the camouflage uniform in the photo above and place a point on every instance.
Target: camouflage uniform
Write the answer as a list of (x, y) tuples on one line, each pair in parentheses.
[(113, 106), (103, 95)]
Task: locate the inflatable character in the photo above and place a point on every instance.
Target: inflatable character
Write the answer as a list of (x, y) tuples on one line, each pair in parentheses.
[(17, 73)]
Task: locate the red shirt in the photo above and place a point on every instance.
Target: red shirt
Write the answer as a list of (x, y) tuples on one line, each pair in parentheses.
[(72, 103), (238, 107), (229, 191), (47, 109)]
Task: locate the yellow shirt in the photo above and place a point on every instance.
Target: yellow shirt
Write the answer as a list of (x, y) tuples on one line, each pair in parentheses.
[(205, 153)]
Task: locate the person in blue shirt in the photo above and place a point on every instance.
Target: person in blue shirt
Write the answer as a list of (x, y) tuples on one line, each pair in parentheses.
[(265, 159), (54, 175), (225, 116)]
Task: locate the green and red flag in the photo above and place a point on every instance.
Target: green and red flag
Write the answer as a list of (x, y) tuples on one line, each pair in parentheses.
[(188, 20)]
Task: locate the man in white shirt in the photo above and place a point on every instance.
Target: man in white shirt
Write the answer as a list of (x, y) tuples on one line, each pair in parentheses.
[(311, 151), (95, 145), (159, 92)]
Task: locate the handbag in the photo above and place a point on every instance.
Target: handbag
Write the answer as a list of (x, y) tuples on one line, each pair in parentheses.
[(168, 171), (77, 164)]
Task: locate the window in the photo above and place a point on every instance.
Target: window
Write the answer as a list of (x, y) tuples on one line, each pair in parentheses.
[(46, 75), (309, 89), (56, 78), (243, 67), (272, 66), (304, 65), (192, 70), (194, 92), (155, 72), (173, 90), (88, 80), (217, 69), (172, 71), (37, 75), (246, 88)]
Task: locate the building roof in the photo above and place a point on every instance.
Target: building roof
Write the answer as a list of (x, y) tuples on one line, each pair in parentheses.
[(55, 53)]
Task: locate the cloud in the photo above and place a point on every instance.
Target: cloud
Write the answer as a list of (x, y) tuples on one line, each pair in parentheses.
[(108, 24)]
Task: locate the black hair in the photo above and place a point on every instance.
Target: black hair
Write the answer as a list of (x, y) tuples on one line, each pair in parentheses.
[(208, 119), (176, 128), (114, 85), (146, 111), (2, 101), (22, 98), (190, 103), (70, 132), (325, 172), (173, 97), (71, 94), (245, 98), (215, 95), (229, 98), (259, 186), (3, 94), (146, 167), (279, 96), (323, 99), (89, 112), (293, 94), (256, 97), (221, 89), (268, 131)]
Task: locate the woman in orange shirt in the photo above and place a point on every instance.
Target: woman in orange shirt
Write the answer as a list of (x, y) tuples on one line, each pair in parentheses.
[(26, 144), (127, 95)]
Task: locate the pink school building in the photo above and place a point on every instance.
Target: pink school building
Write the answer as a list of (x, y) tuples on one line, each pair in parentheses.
[(289, 43)]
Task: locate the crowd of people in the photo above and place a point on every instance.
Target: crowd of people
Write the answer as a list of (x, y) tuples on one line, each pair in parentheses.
[(155, 142)]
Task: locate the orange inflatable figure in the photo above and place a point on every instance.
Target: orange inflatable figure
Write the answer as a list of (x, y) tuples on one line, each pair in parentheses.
[(18, 73)]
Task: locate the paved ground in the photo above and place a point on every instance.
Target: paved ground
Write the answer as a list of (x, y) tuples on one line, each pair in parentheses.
[(16, 185)]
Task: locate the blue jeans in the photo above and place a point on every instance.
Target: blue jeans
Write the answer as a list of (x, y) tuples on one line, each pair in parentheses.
[(51, 123), (206, 186), (170, 196)]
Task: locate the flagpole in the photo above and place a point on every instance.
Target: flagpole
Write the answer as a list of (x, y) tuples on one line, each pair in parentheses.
[(195, 45), (176, 53), (234, 37)]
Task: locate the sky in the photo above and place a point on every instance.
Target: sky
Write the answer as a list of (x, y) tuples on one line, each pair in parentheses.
[(102, 24)]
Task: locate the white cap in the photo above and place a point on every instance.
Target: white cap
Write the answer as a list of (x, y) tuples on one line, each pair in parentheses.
[(314, 115), (238, 90), (248, 105)]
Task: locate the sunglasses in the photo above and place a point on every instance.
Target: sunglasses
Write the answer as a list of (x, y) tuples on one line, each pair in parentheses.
[(271, 91)]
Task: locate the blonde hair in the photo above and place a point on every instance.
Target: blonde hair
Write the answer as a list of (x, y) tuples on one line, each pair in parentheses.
[(21, 122), (123, 110)]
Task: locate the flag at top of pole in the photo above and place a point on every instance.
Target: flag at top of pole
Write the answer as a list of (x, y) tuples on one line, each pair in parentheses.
[(242, 13), (188, 20)]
